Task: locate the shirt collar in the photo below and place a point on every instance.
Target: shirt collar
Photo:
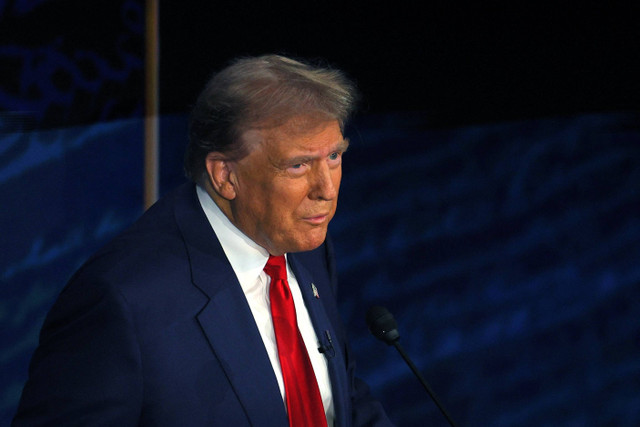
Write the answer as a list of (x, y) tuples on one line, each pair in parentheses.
[(246, 257)]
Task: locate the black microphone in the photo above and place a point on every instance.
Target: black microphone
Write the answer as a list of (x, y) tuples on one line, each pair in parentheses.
[(328, 349), (384, 327)]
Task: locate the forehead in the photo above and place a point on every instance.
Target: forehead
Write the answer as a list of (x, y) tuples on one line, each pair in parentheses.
[(294, 139)]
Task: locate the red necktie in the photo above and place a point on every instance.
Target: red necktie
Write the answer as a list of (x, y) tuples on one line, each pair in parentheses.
[(304, 403)]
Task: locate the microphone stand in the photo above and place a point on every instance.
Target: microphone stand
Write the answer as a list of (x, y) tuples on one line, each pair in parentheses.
[(417, 373)]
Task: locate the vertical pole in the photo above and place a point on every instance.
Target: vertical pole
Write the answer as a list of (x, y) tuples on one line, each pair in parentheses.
[(151, 66)]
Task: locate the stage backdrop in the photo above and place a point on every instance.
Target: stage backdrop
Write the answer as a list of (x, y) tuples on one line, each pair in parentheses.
[(508, 252)]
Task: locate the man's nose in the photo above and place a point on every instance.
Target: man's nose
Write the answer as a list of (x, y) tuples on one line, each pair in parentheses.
[(322, 185)]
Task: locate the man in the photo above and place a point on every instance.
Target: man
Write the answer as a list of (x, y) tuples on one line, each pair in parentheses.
[(217, 307)]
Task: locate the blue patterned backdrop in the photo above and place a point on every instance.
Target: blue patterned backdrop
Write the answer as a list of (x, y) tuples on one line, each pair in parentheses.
[(510, 249), (511, 263)]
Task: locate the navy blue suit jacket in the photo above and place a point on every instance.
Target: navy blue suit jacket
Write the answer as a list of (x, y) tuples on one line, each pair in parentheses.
[(154, 330)]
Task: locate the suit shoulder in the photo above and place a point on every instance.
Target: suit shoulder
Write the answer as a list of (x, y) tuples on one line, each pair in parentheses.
[(152, 250)]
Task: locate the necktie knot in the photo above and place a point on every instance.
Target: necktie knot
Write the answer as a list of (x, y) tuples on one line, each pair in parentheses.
[(276, 268)]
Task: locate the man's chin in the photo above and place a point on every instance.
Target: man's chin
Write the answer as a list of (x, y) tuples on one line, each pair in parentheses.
[(311, 241)]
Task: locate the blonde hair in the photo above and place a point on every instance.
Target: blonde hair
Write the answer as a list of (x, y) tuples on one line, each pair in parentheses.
[(261, 92)]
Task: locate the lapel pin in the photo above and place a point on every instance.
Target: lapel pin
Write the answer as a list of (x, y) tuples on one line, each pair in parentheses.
[(315, 291)]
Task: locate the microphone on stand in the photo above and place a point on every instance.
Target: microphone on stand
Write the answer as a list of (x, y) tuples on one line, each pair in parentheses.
[(384, 327)]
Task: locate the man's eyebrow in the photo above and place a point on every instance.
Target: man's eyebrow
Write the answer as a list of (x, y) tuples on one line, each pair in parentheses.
[(343, 145), (340, 146)]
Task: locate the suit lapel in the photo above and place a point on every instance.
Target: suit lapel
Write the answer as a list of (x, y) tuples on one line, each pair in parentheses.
[(227, 321), (321, 323), (241, 352)]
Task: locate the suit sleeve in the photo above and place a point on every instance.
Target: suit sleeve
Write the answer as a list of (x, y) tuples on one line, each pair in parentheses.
[(366, 411), (86, 369)]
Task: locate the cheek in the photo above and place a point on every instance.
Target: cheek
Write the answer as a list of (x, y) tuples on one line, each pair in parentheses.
[(253, 208), (337, 176), (292, 196)]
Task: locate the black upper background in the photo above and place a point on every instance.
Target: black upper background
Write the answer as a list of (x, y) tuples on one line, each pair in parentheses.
[(459, 64)]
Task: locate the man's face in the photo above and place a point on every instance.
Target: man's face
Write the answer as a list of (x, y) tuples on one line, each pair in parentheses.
[(287, 186)]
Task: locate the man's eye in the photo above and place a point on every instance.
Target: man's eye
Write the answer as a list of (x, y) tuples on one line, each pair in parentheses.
[(298, 169), (335, 158)]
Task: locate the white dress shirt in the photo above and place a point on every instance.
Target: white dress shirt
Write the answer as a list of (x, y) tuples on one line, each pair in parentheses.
[(248, 259)]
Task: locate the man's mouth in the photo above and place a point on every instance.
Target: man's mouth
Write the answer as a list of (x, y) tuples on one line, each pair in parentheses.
[(316, 219)]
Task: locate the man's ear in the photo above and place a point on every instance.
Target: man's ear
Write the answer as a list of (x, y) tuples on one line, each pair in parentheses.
[(221, 176)]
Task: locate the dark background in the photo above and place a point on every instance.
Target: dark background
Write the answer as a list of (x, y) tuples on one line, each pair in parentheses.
[(491, 192), (458, 63)]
